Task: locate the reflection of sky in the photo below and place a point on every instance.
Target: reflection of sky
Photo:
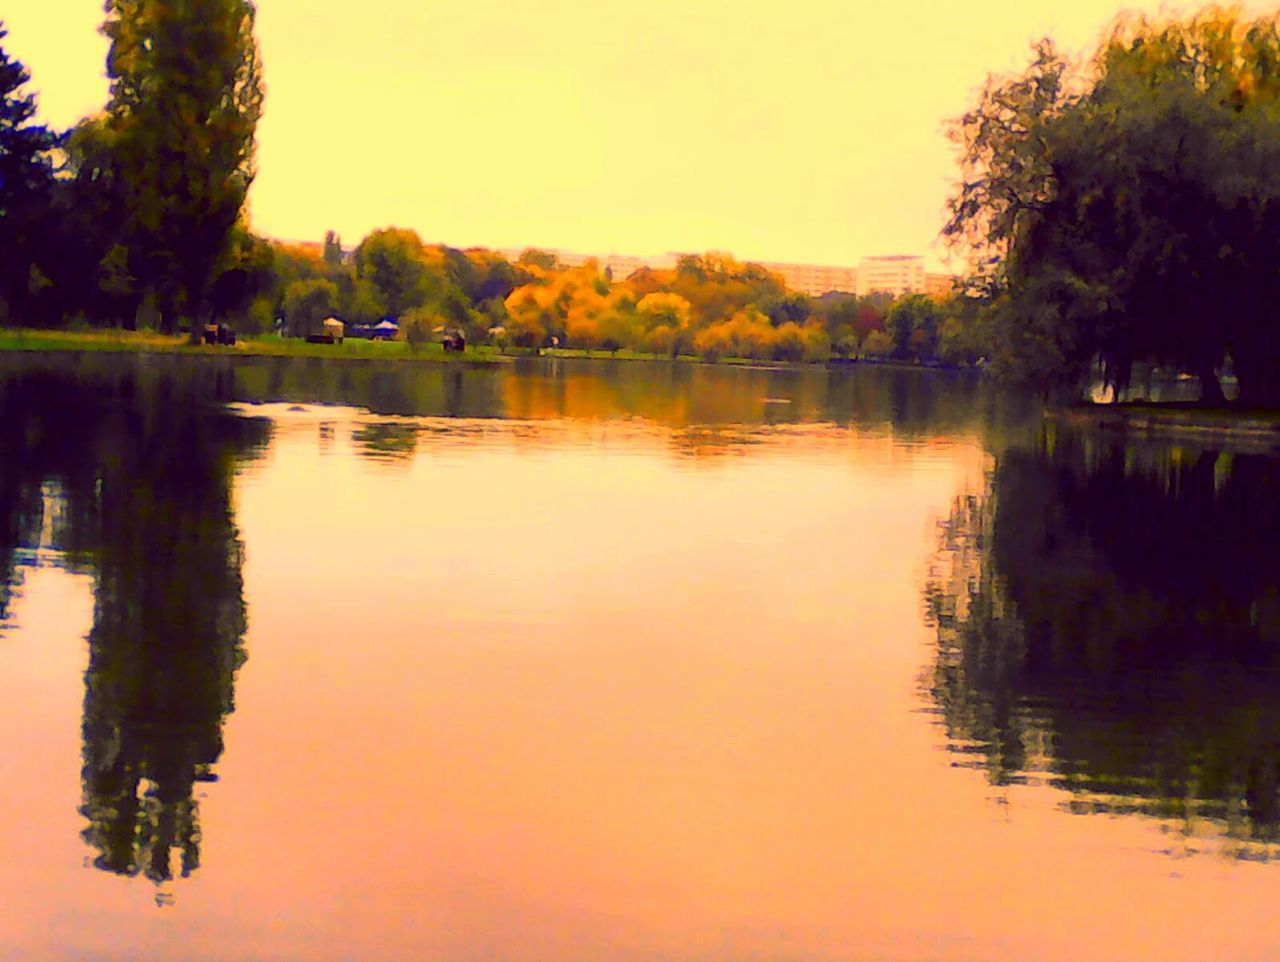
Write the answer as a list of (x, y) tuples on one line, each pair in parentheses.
[(543, 691)]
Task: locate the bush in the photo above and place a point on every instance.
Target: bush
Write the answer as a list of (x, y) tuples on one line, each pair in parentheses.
[(788, 343), (417, 326), (877, 344)]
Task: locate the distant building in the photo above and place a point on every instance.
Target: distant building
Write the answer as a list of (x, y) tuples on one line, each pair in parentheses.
[(621, 266), (814, 279), (895, 274), (940, 285)]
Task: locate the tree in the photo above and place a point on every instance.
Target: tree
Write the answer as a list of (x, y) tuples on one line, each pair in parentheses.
[(26, 181), (912, 324), (419, 325), (186, 96), (877, 344), (1129, 210), (394, 261), (791, 307), (332, 249), (308, 303), (543, 260)]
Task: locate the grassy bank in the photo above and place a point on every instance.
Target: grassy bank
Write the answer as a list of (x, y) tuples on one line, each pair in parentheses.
[(145, 342)]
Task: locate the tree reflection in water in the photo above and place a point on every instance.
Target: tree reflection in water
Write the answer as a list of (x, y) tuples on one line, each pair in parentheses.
[(143, 463), (1108, 621)]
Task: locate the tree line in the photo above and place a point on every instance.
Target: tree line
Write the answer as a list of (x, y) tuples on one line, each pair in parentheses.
[(135, 217), (707, 305), (137, 211), (1125, 208)]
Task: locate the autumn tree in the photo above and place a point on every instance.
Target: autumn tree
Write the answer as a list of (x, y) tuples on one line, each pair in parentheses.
[(185, 98)]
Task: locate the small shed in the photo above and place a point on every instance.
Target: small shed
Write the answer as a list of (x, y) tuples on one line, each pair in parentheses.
[(335, 329), (386, 330)]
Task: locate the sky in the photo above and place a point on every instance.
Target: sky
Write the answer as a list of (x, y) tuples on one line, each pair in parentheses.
[(810, 131)]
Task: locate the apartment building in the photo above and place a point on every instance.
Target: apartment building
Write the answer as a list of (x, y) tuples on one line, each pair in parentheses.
[(621, 266), (814, 279), (895, 274)]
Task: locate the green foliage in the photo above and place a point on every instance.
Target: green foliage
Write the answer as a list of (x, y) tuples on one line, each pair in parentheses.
[(418, 326), (392, 261), (25, 146), (307, 304), (332, 250), (186, 95), (1129, 210), (26, 182), (912, 326), (260, 318), (789, 308)]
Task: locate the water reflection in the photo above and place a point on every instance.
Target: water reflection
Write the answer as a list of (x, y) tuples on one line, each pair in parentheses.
[(909, 402), (128, 475), (1108, 621)]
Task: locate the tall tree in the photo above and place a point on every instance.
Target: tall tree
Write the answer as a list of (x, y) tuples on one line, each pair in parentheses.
[(333, 253), (394, 261), (26, 180), (186, 96), (1129, 209)]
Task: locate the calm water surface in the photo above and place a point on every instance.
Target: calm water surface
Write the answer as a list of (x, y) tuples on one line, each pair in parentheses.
[(582, 661)]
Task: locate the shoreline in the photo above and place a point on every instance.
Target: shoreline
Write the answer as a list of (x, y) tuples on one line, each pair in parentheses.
[(1189, 421), (115, 341), (35, 341)]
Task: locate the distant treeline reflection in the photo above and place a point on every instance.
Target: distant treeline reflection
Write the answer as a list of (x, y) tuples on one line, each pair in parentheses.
[(127, 474), (1108, 620)]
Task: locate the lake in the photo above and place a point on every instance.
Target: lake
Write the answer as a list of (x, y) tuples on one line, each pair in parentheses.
[(624, 661)]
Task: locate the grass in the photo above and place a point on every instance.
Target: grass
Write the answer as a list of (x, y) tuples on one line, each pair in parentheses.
[(114, 340), (147, 342)]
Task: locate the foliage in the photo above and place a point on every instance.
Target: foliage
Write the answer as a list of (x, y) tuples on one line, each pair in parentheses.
[(417, 326), (307, 304), (912, 325), (391, 261), (1129, 209), (186, 95), (26, 181), (877, 344)]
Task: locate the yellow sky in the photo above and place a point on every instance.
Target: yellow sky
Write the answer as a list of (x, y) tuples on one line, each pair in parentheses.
[(807, 130)]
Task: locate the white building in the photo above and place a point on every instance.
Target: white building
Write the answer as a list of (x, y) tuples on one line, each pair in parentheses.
[(814, 279), (621, 266), (895, 274)]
